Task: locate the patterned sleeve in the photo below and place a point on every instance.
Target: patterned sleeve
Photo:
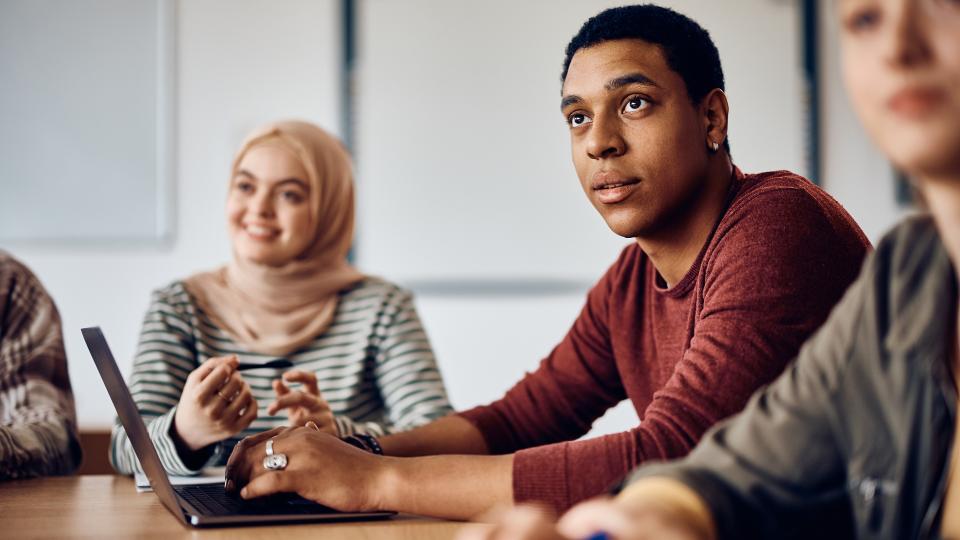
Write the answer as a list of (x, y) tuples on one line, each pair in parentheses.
[(406, 372), (166, 354), (38, 433)]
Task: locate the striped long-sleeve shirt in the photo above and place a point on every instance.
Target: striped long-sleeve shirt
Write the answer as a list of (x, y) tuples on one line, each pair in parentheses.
[(374, 366), (38, 425)]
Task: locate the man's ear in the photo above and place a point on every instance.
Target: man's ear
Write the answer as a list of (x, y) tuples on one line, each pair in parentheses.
[(715, 110)]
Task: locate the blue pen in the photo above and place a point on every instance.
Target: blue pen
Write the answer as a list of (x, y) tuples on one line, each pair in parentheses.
[(598, 536)]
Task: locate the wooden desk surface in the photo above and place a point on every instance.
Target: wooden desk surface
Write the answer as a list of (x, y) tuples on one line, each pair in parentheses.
[(109, 507)]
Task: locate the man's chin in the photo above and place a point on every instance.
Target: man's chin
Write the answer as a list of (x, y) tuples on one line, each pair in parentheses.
[(628, 228)]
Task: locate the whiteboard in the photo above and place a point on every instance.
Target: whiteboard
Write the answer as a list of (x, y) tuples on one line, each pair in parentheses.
[(86, 109), (464, 166)]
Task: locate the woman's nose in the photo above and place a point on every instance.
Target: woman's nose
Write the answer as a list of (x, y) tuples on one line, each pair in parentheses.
[(262, 205)]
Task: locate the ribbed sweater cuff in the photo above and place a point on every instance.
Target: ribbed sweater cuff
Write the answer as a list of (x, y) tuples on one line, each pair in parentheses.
[(540, 474)]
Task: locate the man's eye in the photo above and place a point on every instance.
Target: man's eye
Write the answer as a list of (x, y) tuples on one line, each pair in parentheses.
[(578, 119), (635, 104)]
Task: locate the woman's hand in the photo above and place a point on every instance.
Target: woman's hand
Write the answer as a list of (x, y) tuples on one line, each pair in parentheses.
[(320, 467), (216, 403), (303, 405), (597, 518), (624, 520), (524, 522)]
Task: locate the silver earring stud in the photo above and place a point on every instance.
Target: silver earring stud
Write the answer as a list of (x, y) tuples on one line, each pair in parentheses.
[(714, 146)]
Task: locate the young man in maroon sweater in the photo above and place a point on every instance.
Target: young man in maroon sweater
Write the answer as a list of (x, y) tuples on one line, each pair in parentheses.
[(728, 276)]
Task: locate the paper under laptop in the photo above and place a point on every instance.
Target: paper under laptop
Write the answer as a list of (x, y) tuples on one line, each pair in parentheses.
[(210, 475)]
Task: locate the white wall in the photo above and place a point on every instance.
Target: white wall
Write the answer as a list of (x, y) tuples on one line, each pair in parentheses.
[(463, 152), (459, 137)]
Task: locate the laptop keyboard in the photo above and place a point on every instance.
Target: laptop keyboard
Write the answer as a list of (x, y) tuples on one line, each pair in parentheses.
[(212, 500)]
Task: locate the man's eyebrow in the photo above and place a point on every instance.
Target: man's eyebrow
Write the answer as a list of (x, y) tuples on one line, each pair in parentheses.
[(632, 78), (569, 100), (619, 82)]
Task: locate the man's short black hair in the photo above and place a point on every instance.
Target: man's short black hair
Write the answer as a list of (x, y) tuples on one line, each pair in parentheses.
[(687, 47)]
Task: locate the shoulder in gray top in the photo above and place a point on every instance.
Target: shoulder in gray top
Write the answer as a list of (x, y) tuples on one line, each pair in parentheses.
[(854, 440), (374, 366)]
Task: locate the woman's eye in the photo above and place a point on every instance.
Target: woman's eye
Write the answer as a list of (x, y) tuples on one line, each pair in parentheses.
[(292, 196), (862, 20), (635, 104), (245, 187), (578, 119)]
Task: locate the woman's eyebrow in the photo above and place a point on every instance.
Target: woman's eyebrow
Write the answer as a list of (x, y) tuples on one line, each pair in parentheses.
[(292, 180)]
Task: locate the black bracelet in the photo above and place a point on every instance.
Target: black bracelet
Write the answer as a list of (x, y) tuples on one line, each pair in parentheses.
[(364, 442)]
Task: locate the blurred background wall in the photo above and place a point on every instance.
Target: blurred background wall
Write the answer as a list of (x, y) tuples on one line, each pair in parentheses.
[(466, 193)]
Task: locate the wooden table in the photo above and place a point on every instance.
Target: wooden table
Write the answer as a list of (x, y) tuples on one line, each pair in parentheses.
[(109, 507)]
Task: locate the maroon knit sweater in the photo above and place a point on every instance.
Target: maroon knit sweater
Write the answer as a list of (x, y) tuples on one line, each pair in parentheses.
[(780, 257)]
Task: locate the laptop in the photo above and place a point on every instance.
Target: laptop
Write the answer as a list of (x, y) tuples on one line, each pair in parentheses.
[(200, 505)]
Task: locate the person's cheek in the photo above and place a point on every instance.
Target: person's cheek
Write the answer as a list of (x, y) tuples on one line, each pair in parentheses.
[(234, 213), (301, 229)]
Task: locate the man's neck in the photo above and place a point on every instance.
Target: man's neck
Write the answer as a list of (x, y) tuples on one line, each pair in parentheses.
[(675, 248)]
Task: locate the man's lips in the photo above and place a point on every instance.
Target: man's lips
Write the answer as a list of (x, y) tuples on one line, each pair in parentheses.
[(611, 188), (610, 179)]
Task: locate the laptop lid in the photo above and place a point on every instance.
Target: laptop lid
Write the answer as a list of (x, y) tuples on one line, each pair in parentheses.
[(131, 420)]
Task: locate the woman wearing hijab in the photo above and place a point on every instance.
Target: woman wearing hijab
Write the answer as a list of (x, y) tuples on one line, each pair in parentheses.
[(357, 358)]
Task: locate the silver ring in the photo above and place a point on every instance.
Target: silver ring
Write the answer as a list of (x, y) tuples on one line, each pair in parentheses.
[(274, 462)]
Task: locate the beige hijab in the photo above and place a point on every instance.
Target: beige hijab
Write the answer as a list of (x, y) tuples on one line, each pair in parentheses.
[(277, 310)]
